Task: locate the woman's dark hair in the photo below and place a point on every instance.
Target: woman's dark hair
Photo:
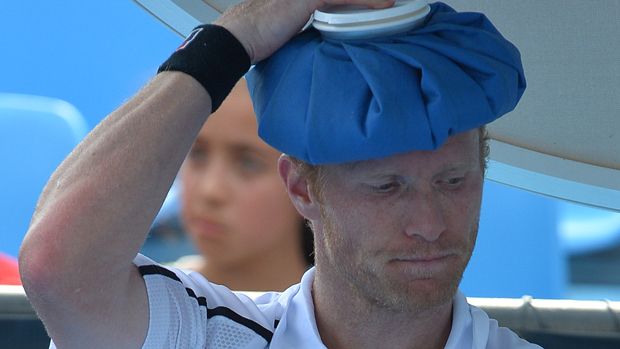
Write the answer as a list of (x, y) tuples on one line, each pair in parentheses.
[(307, 240)]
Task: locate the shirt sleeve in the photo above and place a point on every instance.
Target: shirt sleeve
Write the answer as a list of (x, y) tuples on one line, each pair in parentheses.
[(186, 311)]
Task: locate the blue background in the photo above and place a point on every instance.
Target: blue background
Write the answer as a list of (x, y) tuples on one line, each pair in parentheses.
[(95, 55)]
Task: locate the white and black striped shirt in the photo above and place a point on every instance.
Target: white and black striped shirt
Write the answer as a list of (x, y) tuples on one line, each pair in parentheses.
[(187, 312)]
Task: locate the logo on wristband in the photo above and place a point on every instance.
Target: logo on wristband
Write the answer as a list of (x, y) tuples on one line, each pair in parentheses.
[(189, 38)]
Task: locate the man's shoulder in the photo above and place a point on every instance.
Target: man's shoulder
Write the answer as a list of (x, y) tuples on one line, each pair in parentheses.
[(184, 304), (488, 334), (497, 337), (188, 283), (505, 338)]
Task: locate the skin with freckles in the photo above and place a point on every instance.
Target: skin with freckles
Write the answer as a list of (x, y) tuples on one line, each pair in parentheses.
[(106, 193), (401, 230), (393, 237), (235, 207)]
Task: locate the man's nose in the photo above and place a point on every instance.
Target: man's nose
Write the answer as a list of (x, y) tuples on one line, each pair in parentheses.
[(426, 216)]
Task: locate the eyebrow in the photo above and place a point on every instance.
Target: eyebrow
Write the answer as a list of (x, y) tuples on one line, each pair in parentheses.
[(377, 172), (458, 167), (245, 149), (351, 166)]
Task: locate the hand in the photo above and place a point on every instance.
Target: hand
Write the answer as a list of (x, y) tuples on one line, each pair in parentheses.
[(263, 26)]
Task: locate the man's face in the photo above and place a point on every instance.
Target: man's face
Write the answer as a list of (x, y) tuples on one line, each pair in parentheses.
[(399, 231)]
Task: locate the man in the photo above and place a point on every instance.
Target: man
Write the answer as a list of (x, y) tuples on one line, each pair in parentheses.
[(394, 228)]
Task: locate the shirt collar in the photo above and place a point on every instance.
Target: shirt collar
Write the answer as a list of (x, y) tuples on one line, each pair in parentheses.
[(298, 329)]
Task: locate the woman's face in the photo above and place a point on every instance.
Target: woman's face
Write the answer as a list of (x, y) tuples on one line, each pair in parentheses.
[(234, 204)]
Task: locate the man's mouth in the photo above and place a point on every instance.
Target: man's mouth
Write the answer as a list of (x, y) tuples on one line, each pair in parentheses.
[(422, 265), (422, 259)]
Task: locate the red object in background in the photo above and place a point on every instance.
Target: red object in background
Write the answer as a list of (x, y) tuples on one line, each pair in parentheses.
[(9, 272)]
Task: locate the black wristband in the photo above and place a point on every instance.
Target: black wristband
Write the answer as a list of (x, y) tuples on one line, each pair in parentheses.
[(212, 56)]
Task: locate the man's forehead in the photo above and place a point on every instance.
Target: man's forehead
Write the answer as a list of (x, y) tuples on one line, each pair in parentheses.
[(460, 151)]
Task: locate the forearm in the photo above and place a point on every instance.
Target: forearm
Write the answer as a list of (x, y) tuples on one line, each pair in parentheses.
[(97, 207), (94, 214)]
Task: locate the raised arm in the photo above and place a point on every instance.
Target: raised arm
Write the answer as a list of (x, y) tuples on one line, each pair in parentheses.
[(93, 216), (94, 213)]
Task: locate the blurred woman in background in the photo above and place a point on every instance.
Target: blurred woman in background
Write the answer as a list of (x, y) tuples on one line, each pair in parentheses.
[(235, 208)]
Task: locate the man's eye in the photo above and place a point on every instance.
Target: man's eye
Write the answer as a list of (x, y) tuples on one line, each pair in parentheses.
[(386, 187), (453, 183)]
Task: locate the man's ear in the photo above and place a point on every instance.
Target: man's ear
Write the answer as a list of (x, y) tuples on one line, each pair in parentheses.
[(298, 189)]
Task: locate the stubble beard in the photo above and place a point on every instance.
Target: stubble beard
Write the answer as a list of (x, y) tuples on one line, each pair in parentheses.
[(369, 279)]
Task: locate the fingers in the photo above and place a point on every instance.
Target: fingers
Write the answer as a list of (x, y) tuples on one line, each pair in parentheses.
[(382, 4), (262, 26)]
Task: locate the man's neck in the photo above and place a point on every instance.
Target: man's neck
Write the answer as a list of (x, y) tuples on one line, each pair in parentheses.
[(345, 320)]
